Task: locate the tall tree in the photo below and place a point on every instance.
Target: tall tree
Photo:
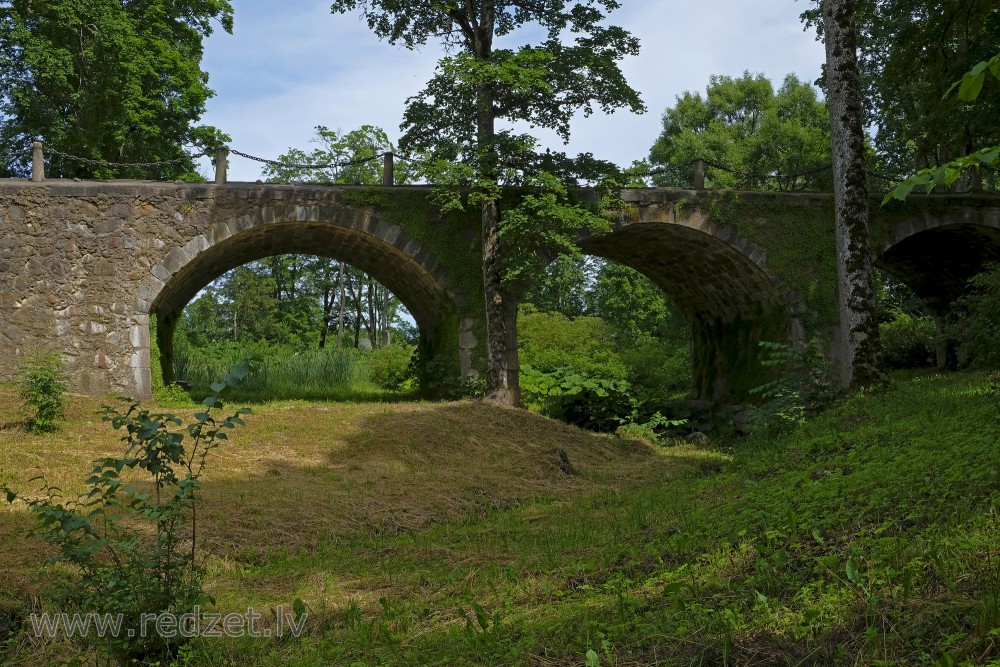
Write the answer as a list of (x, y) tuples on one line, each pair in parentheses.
[(858, 307), (353, 157), (456, 118), (910, 51), (759, 138), (106, 80)]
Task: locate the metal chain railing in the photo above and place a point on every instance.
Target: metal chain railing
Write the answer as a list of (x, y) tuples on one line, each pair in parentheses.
[(125, 165), (328, 165), (222, 153)]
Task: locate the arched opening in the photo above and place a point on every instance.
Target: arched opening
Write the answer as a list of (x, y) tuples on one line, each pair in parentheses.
[(935, 261), (318, 329), (401, 266), (730, 301), (720, 285)]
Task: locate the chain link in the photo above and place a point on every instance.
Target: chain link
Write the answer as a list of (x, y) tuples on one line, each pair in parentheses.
[(124, 165), (286, 165)]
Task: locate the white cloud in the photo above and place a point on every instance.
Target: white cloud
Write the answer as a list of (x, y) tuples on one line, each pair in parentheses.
[(292, 66)]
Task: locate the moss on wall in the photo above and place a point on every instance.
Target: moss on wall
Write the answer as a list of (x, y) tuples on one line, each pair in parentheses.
[(798, 237)]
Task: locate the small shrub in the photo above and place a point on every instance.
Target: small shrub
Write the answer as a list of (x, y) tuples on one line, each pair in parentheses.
[(41, 383), (976, 325), (592, 403), (389, 366), (804, 384), (908, 341), (172, 395), (127, 549)]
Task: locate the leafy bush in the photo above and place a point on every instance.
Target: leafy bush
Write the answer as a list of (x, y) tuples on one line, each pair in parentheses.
[(585, 345), (591, 403), (172, 395), (128, 549), (389, 366), (41, 383), (976, 325), (908, 341), (804, 384), (659, 369)]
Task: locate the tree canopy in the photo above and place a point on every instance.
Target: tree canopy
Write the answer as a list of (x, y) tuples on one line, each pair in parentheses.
[(909, 53), (751, 136), (106, 80), (467, 112)]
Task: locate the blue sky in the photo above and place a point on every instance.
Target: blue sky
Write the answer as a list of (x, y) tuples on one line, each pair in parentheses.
[(289, 66)]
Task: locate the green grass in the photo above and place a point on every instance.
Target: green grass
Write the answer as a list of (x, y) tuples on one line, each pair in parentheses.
[(331, 374), (447, 535)]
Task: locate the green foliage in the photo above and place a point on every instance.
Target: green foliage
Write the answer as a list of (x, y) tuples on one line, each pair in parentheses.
[(903, 80), (545, 218), (969, 88), (107, 80), (550, 341), (128, 548), (41, 383), (562, 286), (595, 404), (908, 341), (803, 385), (389, 366), (172, 396), (634, 306), (278, 371), (976, 321), (659, 369), (339, 150), (764, 138)]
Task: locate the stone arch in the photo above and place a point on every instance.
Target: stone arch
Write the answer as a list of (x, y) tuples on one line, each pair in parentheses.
[(935, 255), (353, 235), (721, 283)]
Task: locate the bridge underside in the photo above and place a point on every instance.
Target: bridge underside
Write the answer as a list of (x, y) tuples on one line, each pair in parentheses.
[(730, 301), (398, 271), (938, 263)]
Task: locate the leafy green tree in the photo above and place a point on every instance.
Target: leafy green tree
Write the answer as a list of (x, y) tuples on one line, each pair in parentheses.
[(760, 138), (562, 287), (353, 158), (459, 116), (909, 53), (107, 80), (969, 88), (630, 302)]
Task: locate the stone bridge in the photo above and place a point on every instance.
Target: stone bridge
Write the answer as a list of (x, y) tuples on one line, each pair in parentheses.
[(84, 266)]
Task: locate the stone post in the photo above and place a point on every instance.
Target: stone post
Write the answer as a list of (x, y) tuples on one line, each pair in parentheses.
[(388, 168), (37, 162), (699, 174), (221, 163)]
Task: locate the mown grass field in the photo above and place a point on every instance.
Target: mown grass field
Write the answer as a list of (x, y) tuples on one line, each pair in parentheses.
[(455, 534)]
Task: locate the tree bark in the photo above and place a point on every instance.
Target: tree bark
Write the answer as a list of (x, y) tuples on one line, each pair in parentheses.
[(860, 347), (498, 377), (340, 315)]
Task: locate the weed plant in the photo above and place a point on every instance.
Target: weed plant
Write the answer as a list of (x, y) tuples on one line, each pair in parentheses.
[(41, 383)]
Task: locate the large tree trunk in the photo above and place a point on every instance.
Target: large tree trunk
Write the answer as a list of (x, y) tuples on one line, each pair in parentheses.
[(372, 324), (860, 349), (499, 385), (342, 306), (385, 318)]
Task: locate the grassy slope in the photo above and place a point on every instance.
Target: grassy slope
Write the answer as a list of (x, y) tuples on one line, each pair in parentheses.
[(868, 535)]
